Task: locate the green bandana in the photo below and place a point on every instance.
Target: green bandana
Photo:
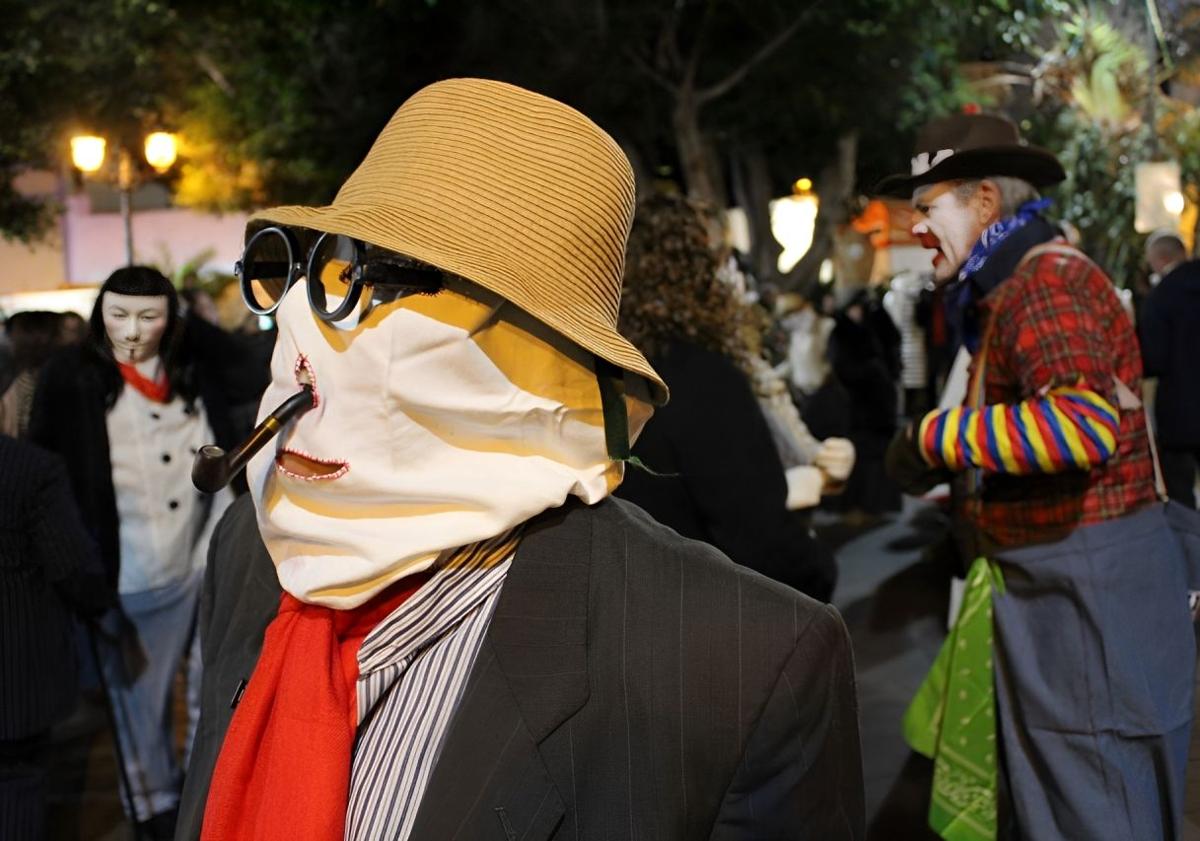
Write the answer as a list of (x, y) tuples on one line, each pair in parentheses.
[(952, 719)]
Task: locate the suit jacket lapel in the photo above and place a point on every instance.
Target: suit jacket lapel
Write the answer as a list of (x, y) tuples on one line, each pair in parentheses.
[(490, 780)]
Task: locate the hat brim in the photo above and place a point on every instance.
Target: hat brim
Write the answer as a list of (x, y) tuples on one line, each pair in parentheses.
[(583, 328), (1029, 163)]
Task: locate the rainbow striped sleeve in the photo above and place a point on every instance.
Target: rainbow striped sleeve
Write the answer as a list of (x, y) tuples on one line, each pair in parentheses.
[(1068, 429)]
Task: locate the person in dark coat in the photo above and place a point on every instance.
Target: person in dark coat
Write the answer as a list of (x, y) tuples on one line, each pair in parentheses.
[(34, 335), (714, 472), (864, 352), (1170, 336), (127, 411), (49, 573), (76, 390)]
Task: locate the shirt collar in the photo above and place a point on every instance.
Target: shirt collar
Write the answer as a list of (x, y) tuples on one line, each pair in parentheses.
[(463, 580)]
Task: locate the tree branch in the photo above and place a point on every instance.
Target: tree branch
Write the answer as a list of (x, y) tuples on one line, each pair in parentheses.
[(654, 75), (213, 72), (768, 49), (668, 41), (689, 73)]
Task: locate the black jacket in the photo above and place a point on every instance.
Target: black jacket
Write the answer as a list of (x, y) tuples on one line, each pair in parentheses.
[(49, 569), (631, 684), (68, 418), (859, 359), (1170, 335), (720, 478)]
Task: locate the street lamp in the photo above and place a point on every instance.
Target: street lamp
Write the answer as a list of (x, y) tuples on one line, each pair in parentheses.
[(160, 150), (87, 154)]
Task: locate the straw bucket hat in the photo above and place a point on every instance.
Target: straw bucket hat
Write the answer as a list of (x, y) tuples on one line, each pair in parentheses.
[(507, 188)]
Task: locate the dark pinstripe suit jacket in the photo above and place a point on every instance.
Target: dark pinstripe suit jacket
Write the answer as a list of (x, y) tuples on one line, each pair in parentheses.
[(49, 569), (632, 685)]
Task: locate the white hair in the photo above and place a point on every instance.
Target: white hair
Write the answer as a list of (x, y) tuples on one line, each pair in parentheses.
[(1014, 192), (1166, 244)]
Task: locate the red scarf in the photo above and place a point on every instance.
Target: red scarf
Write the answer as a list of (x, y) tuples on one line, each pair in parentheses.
[(283, 773), (157, 389)]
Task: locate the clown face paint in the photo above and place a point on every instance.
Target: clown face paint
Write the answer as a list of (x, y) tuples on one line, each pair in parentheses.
[(439, 420), (947, 226), (134, 325)]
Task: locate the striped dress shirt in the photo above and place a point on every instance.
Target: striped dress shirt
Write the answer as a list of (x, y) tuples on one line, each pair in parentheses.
[(412, 668)]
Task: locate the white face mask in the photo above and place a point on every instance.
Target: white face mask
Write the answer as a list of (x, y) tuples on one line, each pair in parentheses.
[(441, 420), (135, 325)]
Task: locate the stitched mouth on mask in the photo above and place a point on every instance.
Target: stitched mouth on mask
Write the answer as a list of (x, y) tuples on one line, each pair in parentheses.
[(307, 467)]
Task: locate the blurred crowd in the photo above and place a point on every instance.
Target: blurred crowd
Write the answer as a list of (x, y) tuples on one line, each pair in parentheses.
[(107, 538), (783, 404)]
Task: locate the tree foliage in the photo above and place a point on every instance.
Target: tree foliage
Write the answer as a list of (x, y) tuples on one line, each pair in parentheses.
[(72, 65), (277, 100), (1103, 109)]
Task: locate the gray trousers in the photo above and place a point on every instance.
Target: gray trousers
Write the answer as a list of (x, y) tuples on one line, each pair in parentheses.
[(1095, 663), (165, 619)]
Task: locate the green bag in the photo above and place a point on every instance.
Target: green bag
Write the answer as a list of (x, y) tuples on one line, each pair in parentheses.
[(952, 718)]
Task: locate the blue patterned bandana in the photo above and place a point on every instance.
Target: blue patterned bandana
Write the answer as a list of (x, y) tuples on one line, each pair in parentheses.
[(997, 233), (963, 294)]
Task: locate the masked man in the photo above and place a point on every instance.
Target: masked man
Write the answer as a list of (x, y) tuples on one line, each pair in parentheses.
[(429, 619), (1083, 697), (125, 410)]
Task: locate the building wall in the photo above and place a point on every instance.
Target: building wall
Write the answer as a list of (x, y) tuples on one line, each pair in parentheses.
[(166, 238), (24, 267), (87, 246)]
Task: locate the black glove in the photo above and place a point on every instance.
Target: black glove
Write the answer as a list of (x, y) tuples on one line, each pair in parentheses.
[(908, 468)]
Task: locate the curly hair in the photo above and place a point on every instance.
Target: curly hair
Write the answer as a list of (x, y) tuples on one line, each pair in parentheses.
[(671, 291)]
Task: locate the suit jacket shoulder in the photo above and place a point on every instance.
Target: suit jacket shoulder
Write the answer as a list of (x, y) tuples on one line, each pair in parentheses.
[(674, 694), (648, 547)]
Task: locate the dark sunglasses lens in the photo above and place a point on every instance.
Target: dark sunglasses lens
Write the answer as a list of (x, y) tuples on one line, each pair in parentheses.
[(266, 269), (329, 272)]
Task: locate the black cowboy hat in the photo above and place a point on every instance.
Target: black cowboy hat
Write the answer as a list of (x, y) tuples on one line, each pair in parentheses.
[(967, 146)]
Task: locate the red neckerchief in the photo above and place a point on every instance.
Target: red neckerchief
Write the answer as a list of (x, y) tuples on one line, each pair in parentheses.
[(283, 773), (157, 389)]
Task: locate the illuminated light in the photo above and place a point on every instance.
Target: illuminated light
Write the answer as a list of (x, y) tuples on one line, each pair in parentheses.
[(802, 185), (825, 273), (161, 150), (793, 221), (1158, 186), (87, 152), (737, 229), (1173, 202)]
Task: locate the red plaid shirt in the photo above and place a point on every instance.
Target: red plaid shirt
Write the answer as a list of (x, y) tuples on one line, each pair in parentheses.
[(1057, 322)]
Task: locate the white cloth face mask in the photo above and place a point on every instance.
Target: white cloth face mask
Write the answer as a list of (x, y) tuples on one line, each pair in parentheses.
[(440, 420)]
